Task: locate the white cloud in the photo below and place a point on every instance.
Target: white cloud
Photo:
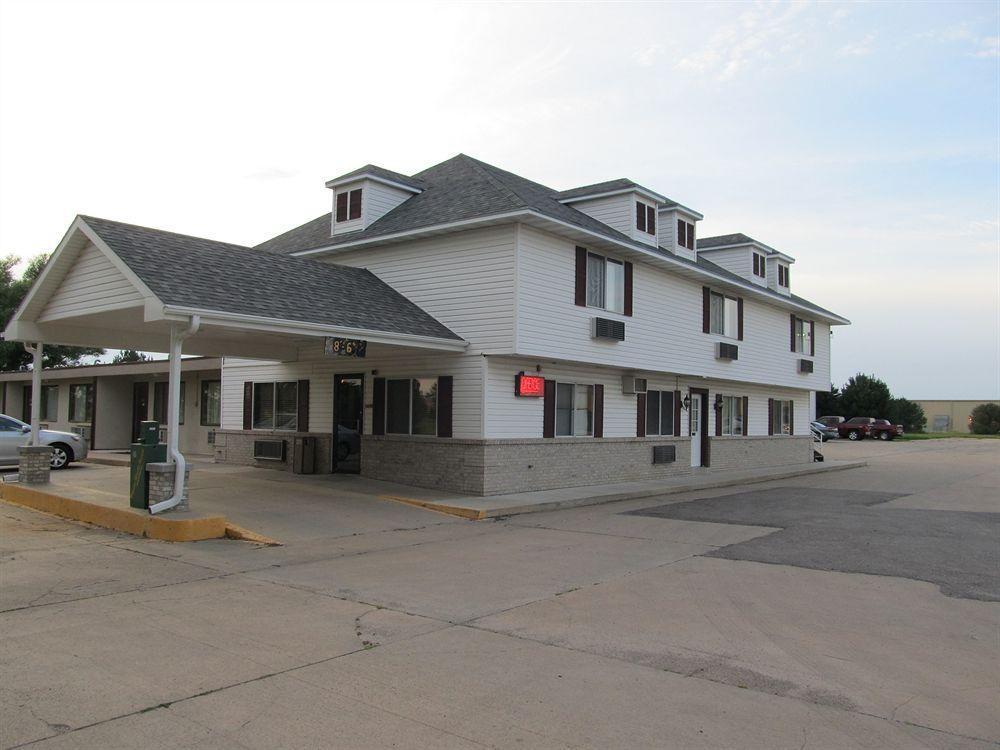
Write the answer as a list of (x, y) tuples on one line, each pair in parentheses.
[(649, 54), (860, 48), (988, 47)]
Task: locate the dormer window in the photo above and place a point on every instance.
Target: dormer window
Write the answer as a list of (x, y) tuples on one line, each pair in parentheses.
[(685, 234), (645, 218), (760, 265), (782, 275), (349, 205)]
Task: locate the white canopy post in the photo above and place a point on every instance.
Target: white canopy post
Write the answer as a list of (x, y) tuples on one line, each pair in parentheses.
[(36, 388), (174, 456)]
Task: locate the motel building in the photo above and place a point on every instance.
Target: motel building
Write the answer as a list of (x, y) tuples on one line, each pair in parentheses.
[(462, 328)]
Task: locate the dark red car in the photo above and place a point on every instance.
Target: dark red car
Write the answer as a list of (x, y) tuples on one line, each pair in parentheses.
[(858, 428)]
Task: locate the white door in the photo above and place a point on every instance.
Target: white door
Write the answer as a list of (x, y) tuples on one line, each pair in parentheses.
[(695, 429)]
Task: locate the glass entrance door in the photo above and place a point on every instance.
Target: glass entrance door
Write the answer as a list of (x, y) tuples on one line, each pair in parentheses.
[(348, 421)]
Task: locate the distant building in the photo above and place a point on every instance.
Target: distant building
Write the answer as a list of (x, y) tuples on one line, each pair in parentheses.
[(951, 416)]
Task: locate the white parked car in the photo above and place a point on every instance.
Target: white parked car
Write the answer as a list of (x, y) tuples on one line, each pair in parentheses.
[(14, 433)]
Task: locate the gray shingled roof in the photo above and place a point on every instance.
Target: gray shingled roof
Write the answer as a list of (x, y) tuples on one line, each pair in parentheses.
[(385, 174), (187, 271), (707, 243), (622, 183)]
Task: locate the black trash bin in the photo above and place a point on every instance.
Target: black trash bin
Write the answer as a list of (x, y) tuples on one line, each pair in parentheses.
[(304, 455)]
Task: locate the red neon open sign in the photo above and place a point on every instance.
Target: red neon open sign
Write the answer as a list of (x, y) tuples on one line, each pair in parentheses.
[(529, 385)]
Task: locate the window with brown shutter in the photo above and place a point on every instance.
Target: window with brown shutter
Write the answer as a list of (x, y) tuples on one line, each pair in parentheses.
[(598, 410), (640, 216), (549, 410), (444, 406), (746, 416), (677, 413), (739, 318), (303, 406), (628, 289), (580, 297), (812, 338), (341, 206), (640, 415), (706, 309), (681, 233), (355, 210), (378, 406), (651, 219), (690, 237)]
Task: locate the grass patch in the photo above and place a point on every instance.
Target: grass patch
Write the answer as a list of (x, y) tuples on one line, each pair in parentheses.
[(943, 435)]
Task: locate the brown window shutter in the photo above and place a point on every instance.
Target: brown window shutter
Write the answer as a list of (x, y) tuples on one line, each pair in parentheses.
[(746, 416), (770, 416), (650, 219), (248, 406), (739, 318), (788, 272), (690, 236), (756, 264), (792, 339), (791, 417), (640, 217), (628, 289), (581, 276), (640, 415), (681, 234), (718, 421), (549, 409), (598, 410), (706, 307), (355, 212), (812, 338), (444, 405), (677, 413), (341, 206), (303, 416), (378, 406)]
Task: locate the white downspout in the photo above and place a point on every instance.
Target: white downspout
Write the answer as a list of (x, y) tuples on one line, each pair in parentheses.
[(36, 388), (174, 456)]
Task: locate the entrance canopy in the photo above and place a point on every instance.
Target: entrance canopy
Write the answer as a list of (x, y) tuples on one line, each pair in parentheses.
[(122, 286)]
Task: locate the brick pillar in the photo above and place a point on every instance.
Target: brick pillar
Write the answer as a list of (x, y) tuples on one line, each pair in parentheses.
[(161, 483), (33, 464)]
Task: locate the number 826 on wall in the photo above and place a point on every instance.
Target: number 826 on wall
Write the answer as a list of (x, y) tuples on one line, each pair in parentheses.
[(345, 347)]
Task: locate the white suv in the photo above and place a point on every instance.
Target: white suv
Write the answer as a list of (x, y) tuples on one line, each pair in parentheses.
[(14, 433)]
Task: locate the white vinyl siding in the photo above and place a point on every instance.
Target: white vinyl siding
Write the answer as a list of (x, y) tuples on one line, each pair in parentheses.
[(665, 333), (617, 211), (380, 199), (92, 285)]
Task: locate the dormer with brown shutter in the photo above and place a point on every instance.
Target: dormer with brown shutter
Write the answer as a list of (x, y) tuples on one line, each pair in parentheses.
[(362, 197), (622, 204), (749, 258), (678, 229)]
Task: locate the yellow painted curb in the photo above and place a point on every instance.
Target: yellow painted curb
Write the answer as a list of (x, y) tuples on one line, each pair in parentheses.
[(245, 535), (451, 510), (118, 519)]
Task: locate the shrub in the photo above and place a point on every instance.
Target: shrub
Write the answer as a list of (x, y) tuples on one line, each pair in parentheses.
[(986, 419), (907, 413)]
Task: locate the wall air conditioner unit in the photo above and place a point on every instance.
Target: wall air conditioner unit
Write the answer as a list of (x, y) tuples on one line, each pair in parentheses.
[(610, 330), (805, 365), (210, 437), (632, 385), (270, 450), (726, 351)]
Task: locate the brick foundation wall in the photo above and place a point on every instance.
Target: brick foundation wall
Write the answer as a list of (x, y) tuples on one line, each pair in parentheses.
[(236, 447), (444, 464), (749, 452)]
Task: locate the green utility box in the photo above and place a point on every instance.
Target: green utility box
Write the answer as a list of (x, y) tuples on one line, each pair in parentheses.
[(147, 451)]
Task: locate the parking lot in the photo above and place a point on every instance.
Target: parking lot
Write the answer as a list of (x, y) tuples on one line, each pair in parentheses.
[(856, 609)]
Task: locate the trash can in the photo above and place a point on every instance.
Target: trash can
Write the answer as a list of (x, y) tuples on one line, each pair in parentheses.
[(304, 455), (147, 451)]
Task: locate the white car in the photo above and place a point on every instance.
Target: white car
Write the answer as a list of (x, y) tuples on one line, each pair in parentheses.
[(66, 447)]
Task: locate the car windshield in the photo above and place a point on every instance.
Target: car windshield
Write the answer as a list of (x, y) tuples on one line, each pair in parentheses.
[(11, 423)]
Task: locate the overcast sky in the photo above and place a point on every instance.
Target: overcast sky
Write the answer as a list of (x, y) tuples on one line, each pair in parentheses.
[(862, 139)]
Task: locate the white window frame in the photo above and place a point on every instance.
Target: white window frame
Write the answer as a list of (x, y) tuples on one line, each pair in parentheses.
[(409, 406), (645, 228), (730, 406), (735, 307), (573, 411), (274, 401), (606, 262), (761, 271), (803, 336), (783, 275), (660, 395)]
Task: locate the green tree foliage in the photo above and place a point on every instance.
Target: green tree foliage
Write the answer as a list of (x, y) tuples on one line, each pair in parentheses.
[(907, 413), (130, 355), (12, 291), (986, 419), (865, 396), (828, 403)]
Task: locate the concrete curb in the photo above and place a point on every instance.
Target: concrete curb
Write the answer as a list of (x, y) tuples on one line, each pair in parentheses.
[(576, 502), (117, 519)]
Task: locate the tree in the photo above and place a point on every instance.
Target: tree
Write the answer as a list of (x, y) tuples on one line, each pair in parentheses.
[(907, 413), (12, 292), (828, 403), (865, 396), (130, 355), (986, 419)]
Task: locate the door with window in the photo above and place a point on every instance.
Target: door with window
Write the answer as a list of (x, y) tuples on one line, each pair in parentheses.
[(698, 419), (348, 420)]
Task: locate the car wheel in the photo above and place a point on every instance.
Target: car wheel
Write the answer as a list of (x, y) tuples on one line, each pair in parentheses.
[(854, 435), (61, 456), (884, 436)]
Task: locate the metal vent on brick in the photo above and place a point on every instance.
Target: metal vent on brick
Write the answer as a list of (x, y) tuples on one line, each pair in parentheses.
[(805, 365), (605, 328), (272, 450), (726, 351), (664, 454)]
